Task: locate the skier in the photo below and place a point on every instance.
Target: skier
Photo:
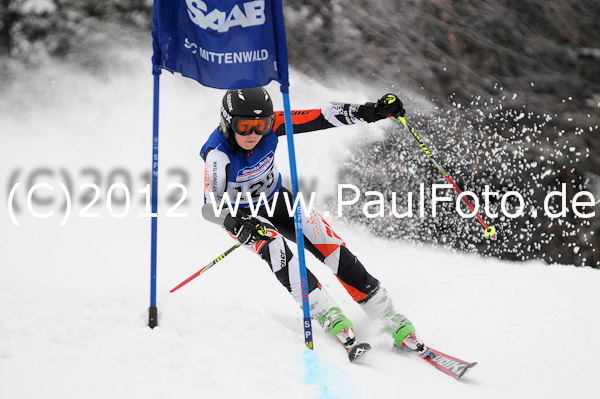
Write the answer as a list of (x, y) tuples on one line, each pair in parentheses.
[(239, 158)]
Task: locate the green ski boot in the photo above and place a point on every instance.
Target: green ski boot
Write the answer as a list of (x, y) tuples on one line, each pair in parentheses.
[(341, 328), (403, 332), (331, 318), (334, 321)]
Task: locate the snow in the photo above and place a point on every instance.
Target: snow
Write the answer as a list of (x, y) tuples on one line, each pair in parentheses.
[(74, 298)]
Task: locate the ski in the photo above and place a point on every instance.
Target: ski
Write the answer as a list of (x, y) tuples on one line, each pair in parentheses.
[(357, 350), (448, 364), (354, 348)]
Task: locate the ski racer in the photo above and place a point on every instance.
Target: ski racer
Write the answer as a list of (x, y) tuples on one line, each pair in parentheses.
[(239, 158)]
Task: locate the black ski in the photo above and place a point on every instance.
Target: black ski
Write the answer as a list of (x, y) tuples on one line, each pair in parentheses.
[(357, 350)]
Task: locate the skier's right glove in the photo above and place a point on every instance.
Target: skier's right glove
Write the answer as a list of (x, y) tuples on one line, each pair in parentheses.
[(247, 230)]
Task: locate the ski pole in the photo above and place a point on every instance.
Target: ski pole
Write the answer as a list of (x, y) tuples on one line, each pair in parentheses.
[(490, 231), (205, 268)]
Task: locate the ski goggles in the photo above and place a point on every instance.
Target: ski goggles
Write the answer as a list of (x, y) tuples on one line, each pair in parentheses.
[(245, 126)]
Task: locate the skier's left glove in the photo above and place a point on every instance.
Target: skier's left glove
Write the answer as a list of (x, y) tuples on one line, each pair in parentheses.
[(248, 230), (386, 106)]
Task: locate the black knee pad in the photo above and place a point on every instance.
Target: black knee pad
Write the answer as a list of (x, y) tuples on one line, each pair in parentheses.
[(353, 273)]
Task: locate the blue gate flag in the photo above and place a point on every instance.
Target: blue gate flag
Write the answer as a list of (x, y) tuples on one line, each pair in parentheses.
[(225, 44)]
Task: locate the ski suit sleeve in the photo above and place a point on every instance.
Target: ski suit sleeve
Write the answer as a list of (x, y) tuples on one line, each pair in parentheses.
[(317, 119), (215, 185)]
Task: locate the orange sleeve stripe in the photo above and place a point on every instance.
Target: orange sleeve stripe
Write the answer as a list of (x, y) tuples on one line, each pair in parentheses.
[(298, 117)]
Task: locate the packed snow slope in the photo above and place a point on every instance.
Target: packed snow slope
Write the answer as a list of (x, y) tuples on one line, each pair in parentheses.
[(74, 298)]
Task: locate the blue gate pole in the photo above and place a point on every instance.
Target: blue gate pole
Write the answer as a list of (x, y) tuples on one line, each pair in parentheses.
[(289, 132), (153, 311)]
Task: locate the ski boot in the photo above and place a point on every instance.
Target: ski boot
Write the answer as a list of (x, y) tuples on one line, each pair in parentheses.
[(379, 306), (403, 332), (330, 317), (341, 328)]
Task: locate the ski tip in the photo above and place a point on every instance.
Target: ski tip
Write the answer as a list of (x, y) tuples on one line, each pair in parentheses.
[(466, 369), (358, 350)]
